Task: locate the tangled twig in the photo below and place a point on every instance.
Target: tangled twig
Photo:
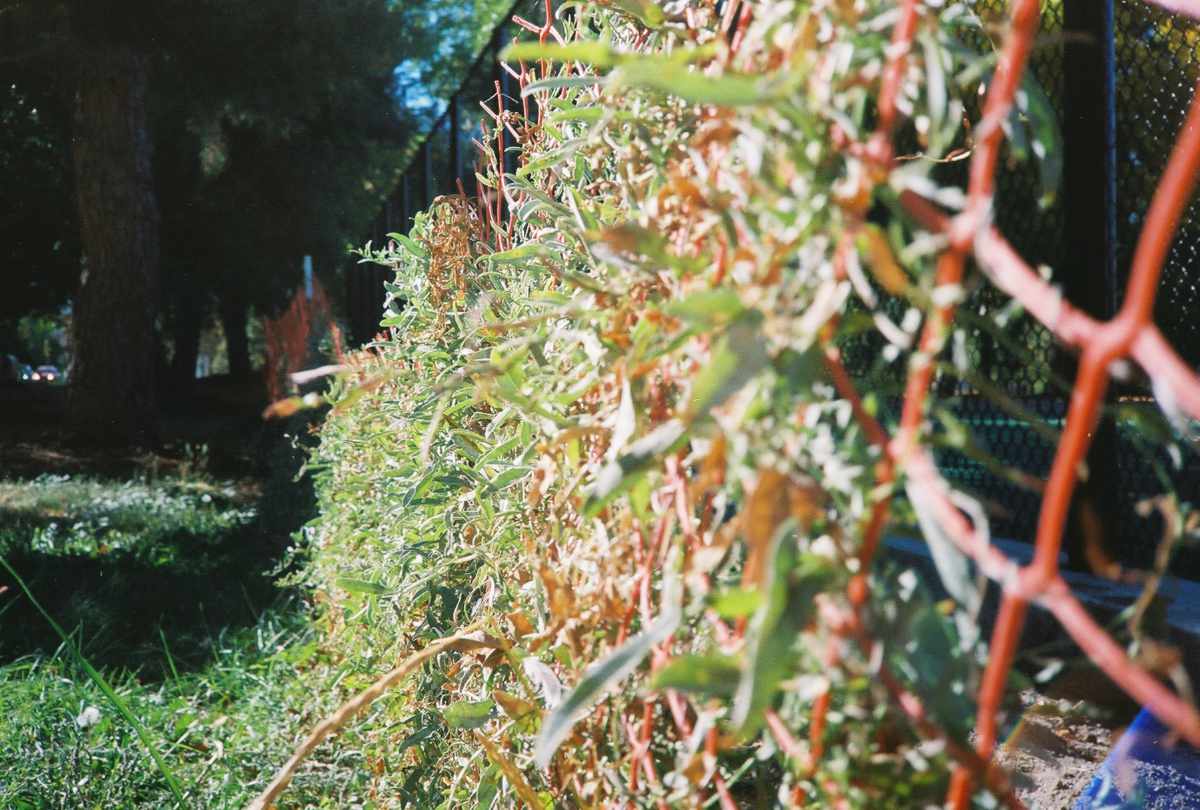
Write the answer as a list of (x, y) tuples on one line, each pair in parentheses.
[(460, 641)]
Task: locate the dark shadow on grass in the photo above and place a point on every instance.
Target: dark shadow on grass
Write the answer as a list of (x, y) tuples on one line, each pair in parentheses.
[(117, 604), (165, 604)]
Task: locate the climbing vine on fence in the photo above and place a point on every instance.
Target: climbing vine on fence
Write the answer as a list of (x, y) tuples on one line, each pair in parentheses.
[(612, 432)]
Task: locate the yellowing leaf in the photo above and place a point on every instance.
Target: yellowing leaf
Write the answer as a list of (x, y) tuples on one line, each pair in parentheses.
[(766, 509), (524, 714), (880, 260)]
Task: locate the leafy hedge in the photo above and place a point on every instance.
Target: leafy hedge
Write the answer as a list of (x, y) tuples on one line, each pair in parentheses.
[(603, 434)]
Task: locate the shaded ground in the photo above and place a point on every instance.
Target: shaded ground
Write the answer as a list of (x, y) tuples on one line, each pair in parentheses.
[(162, 566), (134, 548)]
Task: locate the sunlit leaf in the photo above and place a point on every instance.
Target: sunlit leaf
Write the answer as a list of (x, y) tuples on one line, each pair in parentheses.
[(411, 245), (517, 255), (467, 714), (724, 90), (737, 603), (953, 566), (596, 54), (559, 82), (618, 476), (351, 585)]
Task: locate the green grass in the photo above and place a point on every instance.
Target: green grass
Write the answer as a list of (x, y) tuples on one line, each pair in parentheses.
[(167, 585), (220, 728), (125, 563), (63, 515)]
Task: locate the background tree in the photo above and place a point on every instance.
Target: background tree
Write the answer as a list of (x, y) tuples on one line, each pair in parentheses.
[(39, 232), (284, 146), (213, 141)]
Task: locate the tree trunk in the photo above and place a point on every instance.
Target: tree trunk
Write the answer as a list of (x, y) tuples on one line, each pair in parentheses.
[(112, 392), (233, 323)]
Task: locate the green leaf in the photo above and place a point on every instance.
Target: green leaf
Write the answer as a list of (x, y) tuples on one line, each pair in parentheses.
[(736, 603), (736, 359), (673, 78), (588, 115), (1045, 137), (411, 245), (505, 479), (708, 307), (559, 82), (1149, 423), (800, 369), (608, 673), (552, 158), (518, 255), (794, 580), (936, 93), (488, 790), (466, 714), (416, 738), (618, 476), (498, 452), (597, 54), (706, 675), (645, 11), (1032, 127), (957, 433), (360, 586)]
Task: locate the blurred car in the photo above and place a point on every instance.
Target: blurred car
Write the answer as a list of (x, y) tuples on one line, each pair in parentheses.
[(46, 374)]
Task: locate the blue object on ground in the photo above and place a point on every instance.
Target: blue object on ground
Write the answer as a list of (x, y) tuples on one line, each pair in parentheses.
[(1143, 770)]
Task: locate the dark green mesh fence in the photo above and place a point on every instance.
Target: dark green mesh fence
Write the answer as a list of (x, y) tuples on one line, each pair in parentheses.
[(1017, 374)]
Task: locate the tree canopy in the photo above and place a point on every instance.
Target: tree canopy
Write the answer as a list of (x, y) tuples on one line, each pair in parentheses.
[(245, 135)]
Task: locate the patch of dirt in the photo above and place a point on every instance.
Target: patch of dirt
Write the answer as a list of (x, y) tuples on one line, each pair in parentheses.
[(1056, 749)]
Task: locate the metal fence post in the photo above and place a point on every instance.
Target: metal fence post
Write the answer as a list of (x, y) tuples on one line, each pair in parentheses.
[(1089, 273), (405, 204), (427, 165), (455, 137)]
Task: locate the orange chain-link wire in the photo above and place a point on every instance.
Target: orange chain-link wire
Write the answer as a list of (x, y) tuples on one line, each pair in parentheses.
[(1130, 334)]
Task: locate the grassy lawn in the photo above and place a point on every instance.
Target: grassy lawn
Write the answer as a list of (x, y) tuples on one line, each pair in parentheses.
[(168, 584)]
